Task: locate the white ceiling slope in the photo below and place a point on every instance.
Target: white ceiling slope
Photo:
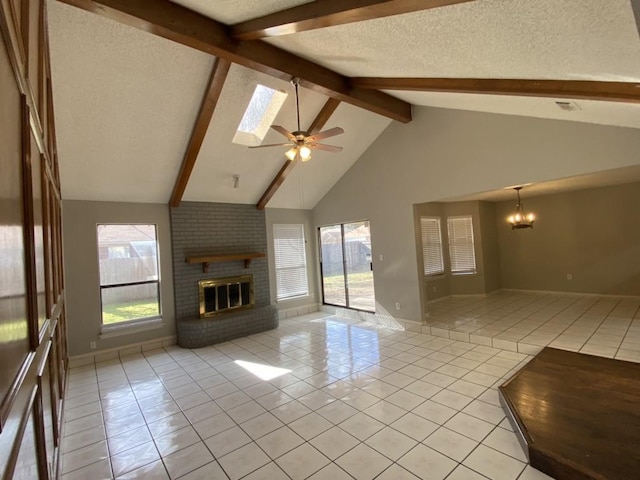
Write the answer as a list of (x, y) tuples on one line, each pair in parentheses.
[(125, 106), (588, 111), (220, 159), (126, 101), (543, 39), (605, 178)]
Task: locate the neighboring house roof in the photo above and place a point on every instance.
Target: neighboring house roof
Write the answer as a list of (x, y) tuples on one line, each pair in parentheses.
[(127, 233)]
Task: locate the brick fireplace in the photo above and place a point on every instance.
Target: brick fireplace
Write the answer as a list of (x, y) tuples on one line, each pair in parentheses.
[(219, 229)]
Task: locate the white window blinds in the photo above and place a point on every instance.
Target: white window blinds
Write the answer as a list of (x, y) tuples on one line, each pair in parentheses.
[(461, 250), (290, 260), (431, 245)]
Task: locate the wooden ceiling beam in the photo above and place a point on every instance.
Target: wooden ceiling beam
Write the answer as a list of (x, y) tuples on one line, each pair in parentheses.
[(318, 123), (328, 13), (285, 170), (635, 6), (208, 106), (181, 25), (323, 117), (574, 89)]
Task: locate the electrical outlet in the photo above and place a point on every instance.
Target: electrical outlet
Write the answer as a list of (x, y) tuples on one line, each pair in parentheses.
[(92, 345), (569, 276), (435, 289), (397, 305), (381, 257)]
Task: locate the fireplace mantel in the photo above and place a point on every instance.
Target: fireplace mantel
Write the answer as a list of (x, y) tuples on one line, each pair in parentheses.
[(205, 260)]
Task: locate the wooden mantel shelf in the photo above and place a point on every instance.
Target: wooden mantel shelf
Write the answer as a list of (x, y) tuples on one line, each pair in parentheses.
[(207, 259)]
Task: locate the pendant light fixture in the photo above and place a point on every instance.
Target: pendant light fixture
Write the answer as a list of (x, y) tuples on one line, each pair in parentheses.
[(520, 219)]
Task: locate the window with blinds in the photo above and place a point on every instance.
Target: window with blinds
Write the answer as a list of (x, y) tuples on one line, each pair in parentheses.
[(290, 260), (431, 245), (461, 249)]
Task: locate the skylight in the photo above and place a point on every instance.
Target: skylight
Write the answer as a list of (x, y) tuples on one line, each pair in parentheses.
[(260, 114)]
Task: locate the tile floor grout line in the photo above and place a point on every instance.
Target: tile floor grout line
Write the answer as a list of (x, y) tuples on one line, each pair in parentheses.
[(316, 358)]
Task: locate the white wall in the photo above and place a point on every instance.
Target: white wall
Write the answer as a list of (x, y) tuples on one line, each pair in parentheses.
[(82, 276), (486, 279), (446, 153), (284, 215), (593, 235)]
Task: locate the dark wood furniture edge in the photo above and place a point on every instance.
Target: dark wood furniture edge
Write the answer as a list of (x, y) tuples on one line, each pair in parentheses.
[(539, 457), (560, 467), (518, 426)]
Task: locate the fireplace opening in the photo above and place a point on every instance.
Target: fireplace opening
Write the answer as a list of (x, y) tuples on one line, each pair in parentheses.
[(222, 295)]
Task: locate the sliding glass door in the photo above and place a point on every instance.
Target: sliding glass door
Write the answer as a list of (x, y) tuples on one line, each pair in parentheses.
[(346, 268)]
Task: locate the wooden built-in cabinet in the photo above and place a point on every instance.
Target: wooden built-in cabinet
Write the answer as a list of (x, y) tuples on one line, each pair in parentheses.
[(33, 351)]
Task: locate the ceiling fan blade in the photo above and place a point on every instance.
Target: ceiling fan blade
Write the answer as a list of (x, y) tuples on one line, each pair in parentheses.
[(273, 145), (326, 148), (283, 131), (326, 134)]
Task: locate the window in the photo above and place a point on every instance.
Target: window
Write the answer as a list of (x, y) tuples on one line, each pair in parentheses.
[(259, 115), (461, 249), (129, 280), (291, 261), (431, 245)]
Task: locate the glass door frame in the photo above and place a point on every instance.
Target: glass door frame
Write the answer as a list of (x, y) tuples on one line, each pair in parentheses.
[(344, 266)]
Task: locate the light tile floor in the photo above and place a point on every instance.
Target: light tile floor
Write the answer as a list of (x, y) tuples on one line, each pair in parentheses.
[(525, 322), (317, 398)]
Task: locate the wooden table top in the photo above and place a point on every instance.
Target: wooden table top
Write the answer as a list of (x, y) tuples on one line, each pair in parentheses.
[(580, 414)]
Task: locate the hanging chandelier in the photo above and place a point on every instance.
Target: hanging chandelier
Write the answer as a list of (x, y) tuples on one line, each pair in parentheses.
[(520, 219)]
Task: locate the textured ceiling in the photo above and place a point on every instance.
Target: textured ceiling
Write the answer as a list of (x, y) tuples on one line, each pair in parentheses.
[(567, 39), (604, 113), (220, 159), (605, 178), (125, 106), (234, 11), (126, 100)]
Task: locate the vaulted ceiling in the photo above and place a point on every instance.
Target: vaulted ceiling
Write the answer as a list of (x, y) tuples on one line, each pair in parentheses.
[(129, 83)]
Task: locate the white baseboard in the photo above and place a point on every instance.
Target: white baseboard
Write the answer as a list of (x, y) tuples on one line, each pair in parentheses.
[(541, 292), (378, 320), (119, 352), (429, 302), (577, 294), (469, 295), (297, 311)]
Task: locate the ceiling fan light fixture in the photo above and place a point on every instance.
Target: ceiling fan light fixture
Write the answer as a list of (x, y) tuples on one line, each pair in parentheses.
[(291, 154), (305, 153)]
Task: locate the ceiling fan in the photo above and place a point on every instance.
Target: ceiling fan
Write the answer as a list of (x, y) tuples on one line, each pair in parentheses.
[(300, 141)]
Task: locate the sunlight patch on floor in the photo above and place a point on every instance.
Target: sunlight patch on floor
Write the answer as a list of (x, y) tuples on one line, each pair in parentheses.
[(263, 372)]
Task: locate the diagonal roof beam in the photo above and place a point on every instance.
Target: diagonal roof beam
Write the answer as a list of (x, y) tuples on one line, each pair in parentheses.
[(635, 6), (208, 106), (181, 25), (323, 117), (575, 89), (285, 170), (327, 13), (320, 121)]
